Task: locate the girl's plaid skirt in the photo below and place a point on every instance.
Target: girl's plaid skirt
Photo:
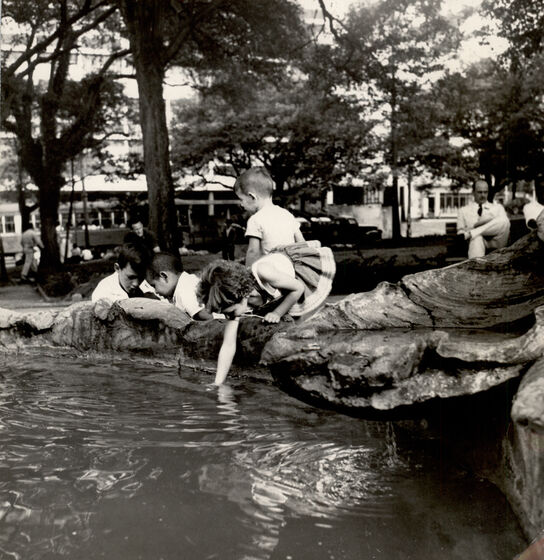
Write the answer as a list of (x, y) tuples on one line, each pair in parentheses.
[(315, 268)]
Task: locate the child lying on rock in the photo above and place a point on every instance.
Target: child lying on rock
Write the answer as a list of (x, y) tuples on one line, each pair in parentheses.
[(165, 273), (295, 279), (128, 278)]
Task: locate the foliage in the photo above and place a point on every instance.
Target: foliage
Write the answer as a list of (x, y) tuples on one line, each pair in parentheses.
[(201, 37), (393, 48), (498, 112), (307, 135), (521, 22), (54, 117)]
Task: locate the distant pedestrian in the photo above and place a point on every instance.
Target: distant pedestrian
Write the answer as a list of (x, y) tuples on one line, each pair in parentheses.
[(29, 241), (483, 224), (229, 239)]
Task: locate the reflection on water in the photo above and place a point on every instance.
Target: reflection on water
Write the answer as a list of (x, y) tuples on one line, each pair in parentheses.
[(131, 461)]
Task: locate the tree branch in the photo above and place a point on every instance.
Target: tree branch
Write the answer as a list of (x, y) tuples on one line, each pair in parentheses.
[(44, 43)]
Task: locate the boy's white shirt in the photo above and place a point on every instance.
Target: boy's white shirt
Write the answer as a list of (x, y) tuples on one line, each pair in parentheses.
[(273, 225), (184, 296), (110, 289)]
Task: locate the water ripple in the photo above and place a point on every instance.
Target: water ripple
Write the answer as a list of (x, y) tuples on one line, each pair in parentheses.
[(126, 461)]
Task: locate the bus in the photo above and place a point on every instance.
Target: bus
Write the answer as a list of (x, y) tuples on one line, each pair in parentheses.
[(103, 223)]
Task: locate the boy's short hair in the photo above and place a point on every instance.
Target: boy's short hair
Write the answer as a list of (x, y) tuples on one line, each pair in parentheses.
[(165, 262), (136, 256), (255, 179), (223, 283)]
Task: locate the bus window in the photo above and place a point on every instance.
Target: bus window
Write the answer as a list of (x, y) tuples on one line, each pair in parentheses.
[(7, 225)]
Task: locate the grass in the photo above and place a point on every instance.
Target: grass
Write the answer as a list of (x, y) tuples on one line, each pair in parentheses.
[(357, 270)]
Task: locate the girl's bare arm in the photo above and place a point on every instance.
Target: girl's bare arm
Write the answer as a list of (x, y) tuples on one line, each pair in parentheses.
[(227, 351)]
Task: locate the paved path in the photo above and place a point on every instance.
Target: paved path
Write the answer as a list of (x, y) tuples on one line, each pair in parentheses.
[(26, 297)]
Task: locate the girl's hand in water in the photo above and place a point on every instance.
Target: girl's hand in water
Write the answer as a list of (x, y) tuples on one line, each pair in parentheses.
[(272, 317)]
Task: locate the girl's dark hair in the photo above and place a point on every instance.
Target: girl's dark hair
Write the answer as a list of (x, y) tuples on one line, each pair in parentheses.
[(223, 283)]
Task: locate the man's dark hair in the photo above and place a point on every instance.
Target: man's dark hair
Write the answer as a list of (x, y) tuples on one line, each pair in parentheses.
[(165, 262), (136, 256), (134, 220)]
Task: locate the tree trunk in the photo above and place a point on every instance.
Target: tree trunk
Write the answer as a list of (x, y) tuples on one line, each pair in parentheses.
[(3, 270), (539, 189), (49, 191), (146, 48), (162, 215), (395, 220), (24, 210)]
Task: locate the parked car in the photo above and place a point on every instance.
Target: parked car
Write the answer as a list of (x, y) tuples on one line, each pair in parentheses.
[(369, 234), (341, 230)]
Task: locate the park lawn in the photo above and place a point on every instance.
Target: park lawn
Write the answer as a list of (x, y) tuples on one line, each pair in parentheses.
[(357, 270)]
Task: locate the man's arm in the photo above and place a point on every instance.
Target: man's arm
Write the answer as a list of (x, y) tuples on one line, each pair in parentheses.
[(152, 242), (253, 250), (38, 241), (462, 226), (496, 223)]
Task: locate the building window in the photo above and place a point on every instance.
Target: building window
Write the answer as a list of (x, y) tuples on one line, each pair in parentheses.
[(451, 202)]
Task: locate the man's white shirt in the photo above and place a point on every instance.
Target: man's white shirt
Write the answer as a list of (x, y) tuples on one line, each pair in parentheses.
[(468, 215)]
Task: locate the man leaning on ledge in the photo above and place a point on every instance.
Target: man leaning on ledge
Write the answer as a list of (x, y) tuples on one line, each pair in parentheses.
[(483, 224)]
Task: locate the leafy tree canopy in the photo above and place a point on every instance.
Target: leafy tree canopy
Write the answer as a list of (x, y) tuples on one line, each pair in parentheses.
[(307, 135), (521, 22), (498, 113), (53, 116)]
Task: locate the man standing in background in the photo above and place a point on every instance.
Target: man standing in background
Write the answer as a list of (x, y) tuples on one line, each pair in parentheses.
[(29, 240)]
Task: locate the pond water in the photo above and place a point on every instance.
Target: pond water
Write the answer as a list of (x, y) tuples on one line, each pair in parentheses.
[(125, 461)]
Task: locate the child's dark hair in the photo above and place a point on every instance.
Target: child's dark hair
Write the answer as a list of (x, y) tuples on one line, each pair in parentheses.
[(255, 179), (134, 255), (166, 262), (223, 283)]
